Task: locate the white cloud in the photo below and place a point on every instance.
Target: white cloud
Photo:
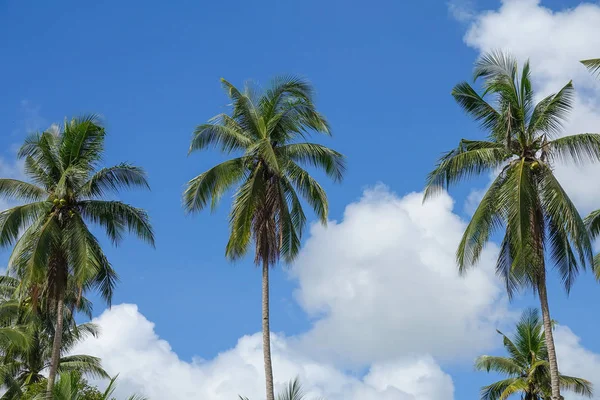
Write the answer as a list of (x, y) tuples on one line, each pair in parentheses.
[(129, 346), (554, 41), (576, 360), (384, 283), (462, 10)]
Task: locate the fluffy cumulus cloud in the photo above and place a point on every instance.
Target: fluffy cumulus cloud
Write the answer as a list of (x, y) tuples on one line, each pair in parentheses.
[(575, 359), (129, 346), (384, 283), (554, 41)]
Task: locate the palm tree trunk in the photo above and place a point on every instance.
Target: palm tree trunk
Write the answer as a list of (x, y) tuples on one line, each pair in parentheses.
[(266, 331), (56, 345), (543, 294)]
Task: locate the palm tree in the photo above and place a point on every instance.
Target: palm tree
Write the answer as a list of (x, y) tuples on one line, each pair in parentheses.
[(67, 192), (267, 129), (293, 391), (592, 221), (526, 367), (71, 386), (525, 199)]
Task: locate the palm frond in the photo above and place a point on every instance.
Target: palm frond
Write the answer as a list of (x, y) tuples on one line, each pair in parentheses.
[(13, 188), (469, 159), (114, 178)]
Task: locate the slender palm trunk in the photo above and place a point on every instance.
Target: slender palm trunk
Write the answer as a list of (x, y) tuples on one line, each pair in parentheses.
[(56, 345), (543, 294), (266, 331)]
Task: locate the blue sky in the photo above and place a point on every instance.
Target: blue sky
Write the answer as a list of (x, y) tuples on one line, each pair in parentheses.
[(383, 75)]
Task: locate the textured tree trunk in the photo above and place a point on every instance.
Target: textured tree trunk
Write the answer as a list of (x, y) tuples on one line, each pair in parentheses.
[(56, 345), (266, 331), (554, 379)]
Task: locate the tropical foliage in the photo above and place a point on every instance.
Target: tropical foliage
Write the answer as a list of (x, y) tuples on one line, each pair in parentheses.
[(293, 391), (267, 129), (526, 368), (56, 252), (525, 200)]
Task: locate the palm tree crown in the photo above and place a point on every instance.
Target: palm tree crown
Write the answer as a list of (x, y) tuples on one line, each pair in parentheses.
[(526, 367), (266, 129), (525, 197), (66, 193)]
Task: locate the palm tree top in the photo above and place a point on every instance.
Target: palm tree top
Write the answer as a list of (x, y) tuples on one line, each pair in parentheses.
[(268, 129), (65, 192), (526, 367), (522, 146)]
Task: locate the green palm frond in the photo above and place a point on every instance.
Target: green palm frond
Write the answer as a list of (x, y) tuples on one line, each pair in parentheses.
[(579, 386), (469, 159), (116, 217), (13, 188), (580, 148), (593, 65), (112, 179)]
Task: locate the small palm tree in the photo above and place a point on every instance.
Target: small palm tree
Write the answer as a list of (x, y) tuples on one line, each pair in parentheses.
[(294, 391), (67, 192), (268, 130), (22, 366), (71, 386), (527, 367), (525, 199)]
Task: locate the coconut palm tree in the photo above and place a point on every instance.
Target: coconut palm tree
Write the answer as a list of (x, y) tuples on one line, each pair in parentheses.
[(72, 386), (592, 221), (293, 391), (267, 129), (66, 193), (526, 368), (525, 200), (21, 367)]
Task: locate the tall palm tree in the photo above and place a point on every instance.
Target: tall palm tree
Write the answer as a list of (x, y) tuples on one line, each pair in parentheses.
[(268, 130), (525, 200), (65, 194), (526, 367)]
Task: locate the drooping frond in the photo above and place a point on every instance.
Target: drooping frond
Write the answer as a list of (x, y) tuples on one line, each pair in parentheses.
[(469, 159), (580, 148), (487, 218), (309, 189), (316, 155), (593, 65), (212, 184), (122, 176), (83, 364), (18, 218), (116, 217), (501, 365), (222, 132), (501, 389), (579, 386), (13, 188), (571, 247), (476, 106)]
